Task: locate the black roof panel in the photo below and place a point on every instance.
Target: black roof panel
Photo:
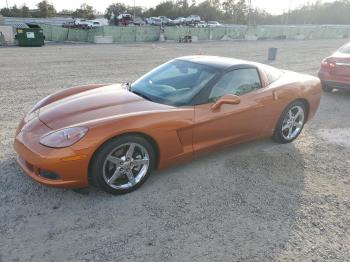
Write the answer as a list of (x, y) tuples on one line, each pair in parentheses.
[(216, 61)]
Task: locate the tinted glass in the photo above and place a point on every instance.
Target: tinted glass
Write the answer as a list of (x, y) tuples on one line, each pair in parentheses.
[(272, 73), (237, 82), (174, 83)]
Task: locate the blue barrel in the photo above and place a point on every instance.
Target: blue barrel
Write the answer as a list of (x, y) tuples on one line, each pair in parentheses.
[(272, 55)]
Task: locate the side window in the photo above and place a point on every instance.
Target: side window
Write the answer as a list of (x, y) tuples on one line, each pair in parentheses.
[(237, 82)]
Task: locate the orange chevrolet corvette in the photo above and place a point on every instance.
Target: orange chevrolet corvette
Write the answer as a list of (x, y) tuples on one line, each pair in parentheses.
[(115, 135)]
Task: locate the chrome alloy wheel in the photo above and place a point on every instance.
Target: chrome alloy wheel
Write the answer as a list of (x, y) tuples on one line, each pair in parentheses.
[(125, 166), (293, 122)]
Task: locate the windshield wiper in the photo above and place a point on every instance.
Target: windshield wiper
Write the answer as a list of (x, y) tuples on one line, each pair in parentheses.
[(141, 95), (127, 85)]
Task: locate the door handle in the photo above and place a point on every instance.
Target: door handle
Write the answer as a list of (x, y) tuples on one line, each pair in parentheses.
[(274, 95)]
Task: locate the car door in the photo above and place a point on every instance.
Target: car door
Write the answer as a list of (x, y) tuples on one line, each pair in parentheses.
[(233, 123)]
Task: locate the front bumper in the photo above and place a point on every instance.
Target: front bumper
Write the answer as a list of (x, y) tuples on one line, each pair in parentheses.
[(71, 167)]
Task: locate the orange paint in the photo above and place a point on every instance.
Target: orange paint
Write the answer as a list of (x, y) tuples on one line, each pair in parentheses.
[(179, 133)]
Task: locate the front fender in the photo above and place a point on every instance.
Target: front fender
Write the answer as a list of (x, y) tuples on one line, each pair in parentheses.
[(170, 130)]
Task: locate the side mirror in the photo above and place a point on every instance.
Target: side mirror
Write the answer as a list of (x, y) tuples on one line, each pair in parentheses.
[(226, 99)]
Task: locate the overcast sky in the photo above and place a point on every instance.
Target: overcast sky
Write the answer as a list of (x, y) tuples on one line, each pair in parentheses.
[(272, 6)]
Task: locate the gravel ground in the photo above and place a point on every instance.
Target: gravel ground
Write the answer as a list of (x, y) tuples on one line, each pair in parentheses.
[(255, 202)]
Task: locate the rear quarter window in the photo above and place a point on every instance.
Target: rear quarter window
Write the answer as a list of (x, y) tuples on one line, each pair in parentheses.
[(236, 82), (272, 73)]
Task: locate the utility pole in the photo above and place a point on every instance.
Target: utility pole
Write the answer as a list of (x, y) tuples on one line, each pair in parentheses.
[(134, 8), (290, 5), (249, 11), (7, 4), (134, 18)]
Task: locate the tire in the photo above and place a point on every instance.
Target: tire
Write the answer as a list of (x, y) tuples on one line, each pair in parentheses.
[(116, 171), (327, 88), (291, 123)]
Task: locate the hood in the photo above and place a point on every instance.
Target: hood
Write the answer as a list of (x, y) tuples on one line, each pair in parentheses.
[(95, 104)]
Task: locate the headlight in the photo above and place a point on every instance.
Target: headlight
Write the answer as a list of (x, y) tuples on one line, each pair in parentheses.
[(64, 137)]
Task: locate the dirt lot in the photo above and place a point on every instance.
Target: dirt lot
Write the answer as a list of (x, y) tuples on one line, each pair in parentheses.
[(256, 202)]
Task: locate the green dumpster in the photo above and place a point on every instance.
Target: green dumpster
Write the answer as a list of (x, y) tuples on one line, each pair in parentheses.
[(31, 36)]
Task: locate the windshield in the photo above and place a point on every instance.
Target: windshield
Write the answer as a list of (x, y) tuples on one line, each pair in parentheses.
[(174, 83)]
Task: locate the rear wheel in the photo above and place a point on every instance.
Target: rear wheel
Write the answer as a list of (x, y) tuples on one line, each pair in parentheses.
[(326, 88), (123, 164), (290, 123)]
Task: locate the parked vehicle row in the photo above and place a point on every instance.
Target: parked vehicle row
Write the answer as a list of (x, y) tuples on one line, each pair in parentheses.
[(126, 19), (209, 24), (180, 21), (82, 24), (154, 21), (163, 20), (193, 20)]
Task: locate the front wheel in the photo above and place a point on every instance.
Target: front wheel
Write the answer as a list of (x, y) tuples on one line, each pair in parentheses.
[(290, 123), (123, 164)]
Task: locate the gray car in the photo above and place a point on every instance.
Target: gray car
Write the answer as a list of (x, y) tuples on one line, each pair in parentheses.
[(154, 21)]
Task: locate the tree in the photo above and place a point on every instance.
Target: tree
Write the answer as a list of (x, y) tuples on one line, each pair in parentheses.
[(240, 12), (65, 13), (209, 10), (237, 11), (168, 9), (137, 10), (25, 12), (182, 4), (14, 11), (184, 8), (45, 9), (336, 12), (115, 9), (119, 8), (5, 12), (229, 9), (85, 11)]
